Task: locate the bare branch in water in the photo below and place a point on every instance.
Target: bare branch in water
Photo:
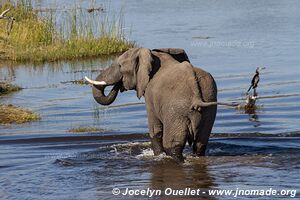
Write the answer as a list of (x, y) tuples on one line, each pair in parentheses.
[(2, 15)]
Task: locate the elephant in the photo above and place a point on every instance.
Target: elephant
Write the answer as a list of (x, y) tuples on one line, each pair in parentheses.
[(181, 100)]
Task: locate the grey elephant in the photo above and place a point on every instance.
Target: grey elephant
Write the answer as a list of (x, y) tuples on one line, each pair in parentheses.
[(181, 100)]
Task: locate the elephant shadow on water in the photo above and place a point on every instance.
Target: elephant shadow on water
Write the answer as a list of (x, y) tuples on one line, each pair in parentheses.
[(171, 177)]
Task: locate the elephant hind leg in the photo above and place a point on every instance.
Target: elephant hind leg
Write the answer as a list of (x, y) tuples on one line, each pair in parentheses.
[(203, 131), (199, 148), (202, 135), (174, 140)]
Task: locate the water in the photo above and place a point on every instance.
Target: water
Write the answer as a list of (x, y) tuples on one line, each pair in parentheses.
[(227, 38)]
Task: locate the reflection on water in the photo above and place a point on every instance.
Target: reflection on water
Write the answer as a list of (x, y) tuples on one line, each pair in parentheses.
[(194, 175), (247, 150)]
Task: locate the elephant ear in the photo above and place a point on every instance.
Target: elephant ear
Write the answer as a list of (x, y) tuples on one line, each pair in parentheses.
[(177, 53), (144, 67)]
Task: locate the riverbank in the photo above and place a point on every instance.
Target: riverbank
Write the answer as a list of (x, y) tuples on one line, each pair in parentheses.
[(29, 36)]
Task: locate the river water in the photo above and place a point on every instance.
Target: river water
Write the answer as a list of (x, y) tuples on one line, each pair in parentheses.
[(42, 160)]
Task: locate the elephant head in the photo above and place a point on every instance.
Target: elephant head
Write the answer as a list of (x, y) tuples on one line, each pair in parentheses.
[(131, 71)]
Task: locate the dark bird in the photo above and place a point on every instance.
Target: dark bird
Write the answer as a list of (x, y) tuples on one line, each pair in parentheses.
[(255, 81)]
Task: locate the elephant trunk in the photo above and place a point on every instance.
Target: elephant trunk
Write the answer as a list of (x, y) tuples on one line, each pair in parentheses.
[(109, 76), (101, 98)]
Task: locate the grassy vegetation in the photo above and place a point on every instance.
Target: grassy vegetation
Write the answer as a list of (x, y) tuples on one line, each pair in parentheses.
[(6, 88), (86, 130), (12, 114), (38, 37)]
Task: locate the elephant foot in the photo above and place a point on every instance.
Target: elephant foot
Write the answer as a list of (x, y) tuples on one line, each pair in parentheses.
[(156, 144), (199, 149), (175, 153)]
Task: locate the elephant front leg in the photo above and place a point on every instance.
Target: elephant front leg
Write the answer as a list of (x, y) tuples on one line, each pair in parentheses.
[(155, 128), (156, 144), (156, 133)]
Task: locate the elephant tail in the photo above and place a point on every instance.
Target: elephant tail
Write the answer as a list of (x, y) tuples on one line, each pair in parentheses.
[(207, 104)]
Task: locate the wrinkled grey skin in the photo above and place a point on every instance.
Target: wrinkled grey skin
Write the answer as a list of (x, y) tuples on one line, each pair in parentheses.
[(173, 91)]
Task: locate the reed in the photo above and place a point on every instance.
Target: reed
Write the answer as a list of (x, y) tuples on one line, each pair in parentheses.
[(39, 36)]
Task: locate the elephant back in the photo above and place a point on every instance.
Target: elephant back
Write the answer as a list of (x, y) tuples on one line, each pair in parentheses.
[(177, 53)]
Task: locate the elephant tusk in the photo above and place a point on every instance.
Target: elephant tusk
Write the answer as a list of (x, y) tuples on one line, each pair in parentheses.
[(95, 82)]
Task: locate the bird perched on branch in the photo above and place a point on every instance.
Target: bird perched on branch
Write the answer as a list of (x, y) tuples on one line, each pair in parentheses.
[(255, 81)]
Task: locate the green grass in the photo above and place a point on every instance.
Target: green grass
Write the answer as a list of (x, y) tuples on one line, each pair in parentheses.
[(86, 130), (6, 88), (12, 114), (36, 37)]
